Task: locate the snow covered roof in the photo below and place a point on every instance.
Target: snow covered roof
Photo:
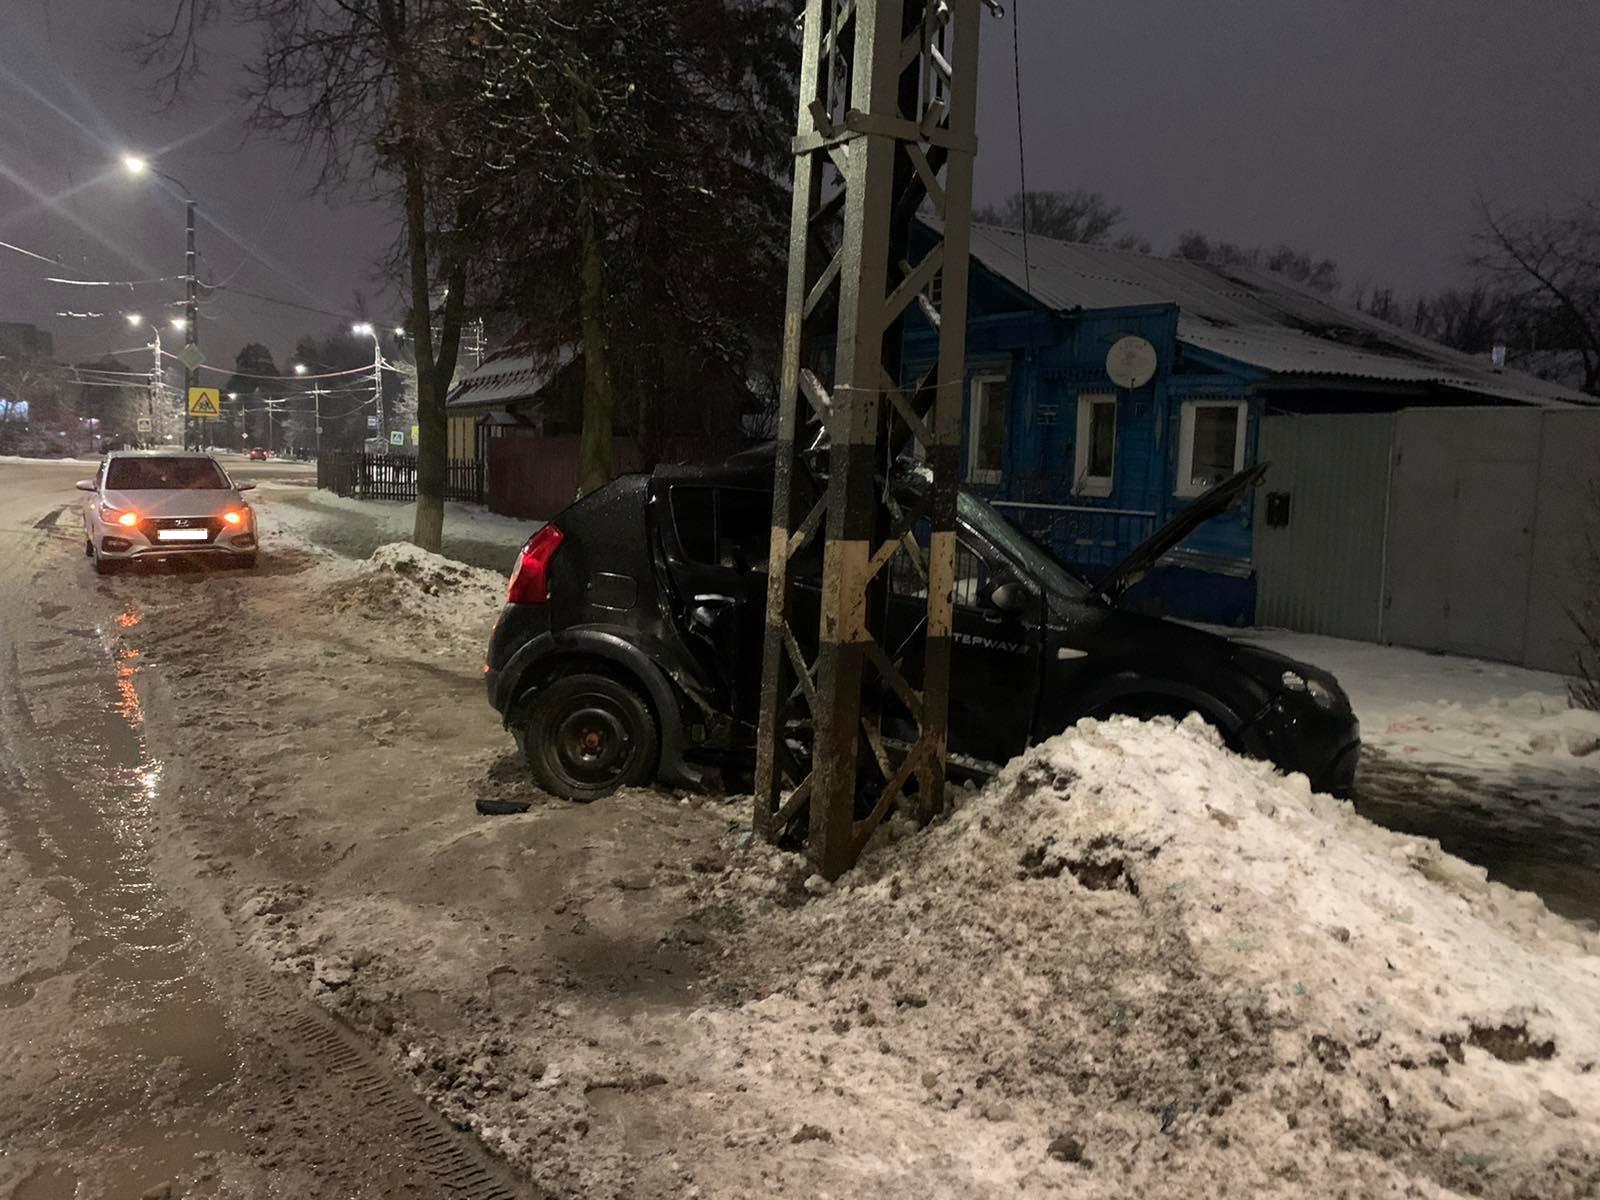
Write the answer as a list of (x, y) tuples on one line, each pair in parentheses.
[(509, 376), (1254, 317)]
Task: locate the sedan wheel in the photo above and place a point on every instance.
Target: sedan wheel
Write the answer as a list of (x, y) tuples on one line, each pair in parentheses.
[(585, 736)]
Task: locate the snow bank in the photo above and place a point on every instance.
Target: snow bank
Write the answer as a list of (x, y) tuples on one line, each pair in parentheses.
[(1137, 964), (417, 596)]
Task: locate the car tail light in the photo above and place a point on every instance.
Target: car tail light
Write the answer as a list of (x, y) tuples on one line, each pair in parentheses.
[(530, 582), (233, 518)]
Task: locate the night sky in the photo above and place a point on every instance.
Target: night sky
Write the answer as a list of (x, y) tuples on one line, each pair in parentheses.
[(1360, 129)]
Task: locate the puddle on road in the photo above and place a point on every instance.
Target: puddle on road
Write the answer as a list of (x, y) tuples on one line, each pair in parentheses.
[(145, 1057)]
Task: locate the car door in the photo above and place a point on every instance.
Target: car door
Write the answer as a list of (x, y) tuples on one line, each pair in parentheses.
[(715, 546), (995, 656)]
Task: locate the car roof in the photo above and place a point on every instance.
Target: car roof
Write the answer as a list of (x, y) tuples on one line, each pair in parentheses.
[(161, 454), (750, 468)]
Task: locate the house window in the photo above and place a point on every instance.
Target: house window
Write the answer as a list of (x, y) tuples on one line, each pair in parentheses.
[(1210, 444), (1096, 453), (986, 428)]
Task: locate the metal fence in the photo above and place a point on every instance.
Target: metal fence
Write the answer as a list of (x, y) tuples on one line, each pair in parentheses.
[(1091, 539), (393, 477)]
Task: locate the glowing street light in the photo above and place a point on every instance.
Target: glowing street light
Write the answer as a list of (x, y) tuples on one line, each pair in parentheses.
[(135, 164), (399, 331), (299, 368), (363, 329), (180, 324), (134, 319)]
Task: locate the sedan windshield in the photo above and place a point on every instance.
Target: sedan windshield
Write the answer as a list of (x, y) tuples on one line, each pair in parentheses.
[(164, 474), (1019, 547)]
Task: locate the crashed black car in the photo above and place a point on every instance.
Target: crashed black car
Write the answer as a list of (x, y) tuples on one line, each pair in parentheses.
[(629, 647)]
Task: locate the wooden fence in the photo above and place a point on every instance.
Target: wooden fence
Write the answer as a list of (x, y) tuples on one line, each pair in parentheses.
[(393, 477)]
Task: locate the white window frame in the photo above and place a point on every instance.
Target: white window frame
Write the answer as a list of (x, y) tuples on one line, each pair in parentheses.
[(1084, 484), (977, 404), (1186, 487)]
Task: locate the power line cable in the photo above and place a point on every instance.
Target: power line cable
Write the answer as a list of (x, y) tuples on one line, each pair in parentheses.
[(54, 262), (1022, 156)]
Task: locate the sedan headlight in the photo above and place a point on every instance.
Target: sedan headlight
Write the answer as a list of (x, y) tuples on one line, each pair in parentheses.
[(1325, 696)]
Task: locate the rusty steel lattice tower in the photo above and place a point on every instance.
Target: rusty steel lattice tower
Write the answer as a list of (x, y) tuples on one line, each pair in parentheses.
[(886, 126)]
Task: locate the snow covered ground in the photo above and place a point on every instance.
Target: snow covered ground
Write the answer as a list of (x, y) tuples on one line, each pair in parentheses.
[(357, 528), (1134, 965)]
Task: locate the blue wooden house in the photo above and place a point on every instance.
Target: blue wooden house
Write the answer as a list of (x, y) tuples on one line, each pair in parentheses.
[(1091, 466)]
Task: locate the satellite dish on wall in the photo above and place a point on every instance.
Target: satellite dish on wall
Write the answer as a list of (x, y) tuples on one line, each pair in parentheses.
[(1131, 362)]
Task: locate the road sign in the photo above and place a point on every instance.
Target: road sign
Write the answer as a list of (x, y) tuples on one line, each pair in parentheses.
[(190, 357), (397, 438), (416, 431), (372, 422), (144, 424), (205, 402)]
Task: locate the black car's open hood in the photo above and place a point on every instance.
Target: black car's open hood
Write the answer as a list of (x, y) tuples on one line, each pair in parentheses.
[(1147, 553)]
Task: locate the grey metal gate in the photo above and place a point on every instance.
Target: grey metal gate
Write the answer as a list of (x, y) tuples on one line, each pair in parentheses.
[(1455, 529), (1319, 523)]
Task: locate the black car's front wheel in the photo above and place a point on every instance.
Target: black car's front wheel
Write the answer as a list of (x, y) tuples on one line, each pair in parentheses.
[(587, 735)]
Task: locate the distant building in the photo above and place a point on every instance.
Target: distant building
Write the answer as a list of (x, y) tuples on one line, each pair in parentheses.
[(21, 340)]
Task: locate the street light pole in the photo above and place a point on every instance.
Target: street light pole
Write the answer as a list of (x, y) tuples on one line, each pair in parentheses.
[(137, 165), (191, 375), (377, 377)]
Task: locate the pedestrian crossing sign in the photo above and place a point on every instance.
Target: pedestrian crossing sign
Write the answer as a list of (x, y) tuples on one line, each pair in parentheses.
[(205, 402)]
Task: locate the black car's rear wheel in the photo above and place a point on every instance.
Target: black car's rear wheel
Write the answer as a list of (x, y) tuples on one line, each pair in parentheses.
[(585, 736)]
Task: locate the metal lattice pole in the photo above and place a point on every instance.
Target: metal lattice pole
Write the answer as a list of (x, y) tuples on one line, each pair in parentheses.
[(887, 115)]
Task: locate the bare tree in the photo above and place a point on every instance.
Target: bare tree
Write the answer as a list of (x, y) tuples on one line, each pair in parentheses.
[(1319, 273), (1549, 264), (622, 144), (365, 88), (1585, 612), (1075, 216)]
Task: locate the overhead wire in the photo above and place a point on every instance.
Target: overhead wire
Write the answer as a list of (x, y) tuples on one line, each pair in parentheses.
[(54, 262), (1022, 156)]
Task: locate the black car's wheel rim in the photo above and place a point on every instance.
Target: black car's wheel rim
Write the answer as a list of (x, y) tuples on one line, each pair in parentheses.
[(592, 742)]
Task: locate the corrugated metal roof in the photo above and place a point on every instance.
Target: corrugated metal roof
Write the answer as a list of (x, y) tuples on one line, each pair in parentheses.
[(507, 378), (1250, 316)]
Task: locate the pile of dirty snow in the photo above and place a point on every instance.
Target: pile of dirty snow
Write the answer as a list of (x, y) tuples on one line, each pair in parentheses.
[(1138, 964), (416, 597)]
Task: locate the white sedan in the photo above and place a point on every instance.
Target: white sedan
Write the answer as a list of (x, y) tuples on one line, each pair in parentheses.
[(157, 504)]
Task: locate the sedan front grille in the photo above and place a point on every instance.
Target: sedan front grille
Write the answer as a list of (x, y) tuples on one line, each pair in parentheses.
[(151, 527)]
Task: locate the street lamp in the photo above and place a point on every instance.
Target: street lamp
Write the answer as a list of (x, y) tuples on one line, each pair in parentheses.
[(137, 166), (299, 368), (365, 329), (153, 403)]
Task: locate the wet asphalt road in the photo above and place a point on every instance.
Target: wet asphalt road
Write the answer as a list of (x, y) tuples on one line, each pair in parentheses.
[(141, 1050)]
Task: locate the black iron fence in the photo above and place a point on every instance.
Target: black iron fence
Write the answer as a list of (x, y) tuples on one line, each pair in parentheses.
[(393, 477)]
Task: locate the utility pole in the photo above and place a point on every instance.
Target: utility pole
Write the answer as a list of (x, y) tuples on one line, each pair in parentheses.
[(156, 401), (377, 391), (316, 407), (191, 375), (887, 122)]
